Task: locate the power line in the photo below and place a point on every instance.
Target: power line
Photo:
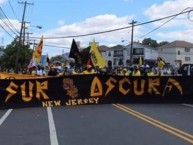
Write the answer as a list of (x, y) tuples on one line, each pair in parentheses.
[(8, 23), (118, 29), (164, 23), (6, 31), (12, 9)]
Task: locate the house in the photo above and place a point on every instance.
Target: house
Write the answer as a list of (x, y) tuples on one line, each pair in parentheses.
[(144, 52), (115, 56), (119, 55), (177, 52)]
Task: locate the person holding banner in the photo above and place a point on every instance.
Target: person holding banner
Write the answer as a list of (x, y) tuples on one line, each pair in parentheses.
[(89, 70), (136, 71), (52, 72), (160, 66)]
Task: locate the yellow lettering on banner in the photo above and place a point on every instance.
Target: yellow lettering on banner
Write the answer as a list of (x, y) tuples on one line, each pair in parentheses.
[(91, 100), (51, 103), (80, 101), (40, 88), (153, 83), (96, 100), (23, 92), (111, 84), (174, 83), (142, 87), (73, 102), (96, 88), (57, 103), (11, 89), (121, 88)]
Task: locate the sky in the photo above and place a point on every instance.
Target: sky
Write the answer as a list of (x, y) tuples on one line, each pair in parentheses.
[(63, 20)]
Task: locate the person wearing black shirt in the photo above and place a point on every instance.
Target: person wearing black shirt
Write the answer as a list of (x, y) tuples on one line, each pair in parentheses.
[(52, 72)]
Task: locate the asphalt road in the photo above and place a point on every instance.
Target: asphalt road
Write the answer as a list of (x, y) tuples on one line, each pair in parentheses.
[(112, 124)]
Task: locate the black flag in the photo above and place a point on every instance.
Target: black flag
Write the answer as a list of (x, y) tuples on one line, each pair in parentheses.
[(74, 53)]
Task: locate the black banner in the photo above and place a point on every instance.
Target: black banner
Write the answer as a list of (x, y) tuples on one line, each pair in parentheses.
[(94, 89)]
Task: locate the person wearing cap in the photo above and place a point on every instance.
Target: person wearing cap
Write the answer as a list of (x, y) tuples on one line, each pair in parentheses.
[(136, 71)]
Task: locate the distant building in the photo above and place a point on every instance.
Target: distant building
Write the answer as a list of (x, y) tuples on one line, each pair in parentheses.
[(177, 52), (145, 52), (119, 55)]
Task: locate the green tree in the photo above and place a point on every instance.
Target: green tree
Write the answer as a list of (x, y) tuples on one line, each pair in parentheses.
[(58, 58), (150, 42), (8, 59), (163, 43), (153, 43)]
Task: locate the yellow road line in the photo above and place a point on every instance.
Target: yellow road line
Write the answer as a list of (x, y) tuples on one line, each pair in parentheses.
[(181, 134)]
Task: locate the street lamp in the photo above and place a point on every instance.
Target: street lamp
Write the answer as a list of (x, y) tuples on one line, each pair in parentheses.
[(39, 27)]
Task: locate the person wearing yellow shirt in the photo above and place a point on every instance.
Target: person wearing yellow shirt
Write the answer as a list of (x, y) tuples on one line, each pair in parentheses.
[(160, 66), (89, 70), (77, 71), (150, 72), (136, 71)]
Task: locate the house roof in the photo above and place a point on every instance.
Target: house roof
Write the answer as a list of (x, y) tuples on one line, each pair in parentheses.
[(117, 47), (103, 48), (177, 43), (140, 45), (106, 48)]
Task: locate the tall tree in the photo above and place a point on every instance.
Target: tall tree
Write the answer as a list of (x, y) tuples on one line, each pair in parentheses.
[(150, 42), (153, 43), (163, 43), (9, 57)]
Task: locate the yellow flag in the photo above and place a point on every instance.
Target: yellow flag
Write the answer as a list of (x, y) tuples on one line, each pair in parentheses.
[(96, 57), (37, 54), (140, 60)]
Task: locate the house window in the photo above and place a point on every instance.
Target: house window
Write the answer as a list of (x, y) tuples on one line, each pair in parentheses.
[(109, 54), (118, 53), (187, 49), (138, 51), (178, 52), (187, 58)]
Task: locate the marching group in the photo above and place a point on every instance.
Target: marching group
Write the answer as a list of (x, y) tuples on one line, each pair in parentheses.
[(144, 70)]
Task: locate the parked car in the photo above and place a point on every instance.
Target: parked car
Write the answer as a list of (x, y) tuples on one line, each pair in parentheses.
[(186, 70)]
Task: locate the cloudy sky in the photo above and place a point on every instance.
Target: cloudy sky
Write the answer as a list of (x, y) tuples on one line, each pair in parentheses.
[(63, 20)]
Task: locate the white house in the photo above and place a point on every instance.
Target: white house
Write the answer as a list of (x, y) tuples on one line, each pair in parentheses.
[(144, 52), (177, 52), (119, 55)]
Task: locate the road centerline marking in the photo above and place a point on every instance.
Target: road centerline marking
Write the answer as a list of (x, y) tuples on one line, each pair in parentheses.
[(53, 134), (179, 133)]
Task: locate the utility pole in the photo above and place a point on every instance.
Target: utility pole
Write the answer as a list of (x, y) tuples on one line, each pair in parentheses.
[(131, 49), (20, 36), (28, 33), (24, 32)]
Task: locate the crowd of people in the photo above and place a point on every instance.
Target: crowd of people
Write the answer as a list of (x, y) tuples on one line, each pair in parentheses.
[(142, 70)]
